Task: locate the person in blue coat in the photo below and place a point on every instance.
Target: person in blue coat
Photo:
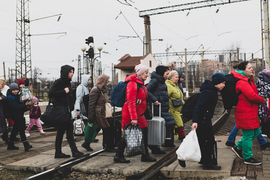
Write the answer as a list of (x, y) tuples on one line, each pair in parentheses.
[(202, 116), (157, 93)]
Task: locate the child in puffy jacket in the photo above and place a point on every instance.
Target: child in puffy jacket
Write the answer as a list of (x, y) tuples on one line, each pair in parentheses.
[(35, 114)]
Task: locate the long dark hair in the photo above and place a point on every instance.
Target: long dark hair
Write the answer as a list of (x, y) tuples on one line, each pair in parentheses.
[(241, 66)]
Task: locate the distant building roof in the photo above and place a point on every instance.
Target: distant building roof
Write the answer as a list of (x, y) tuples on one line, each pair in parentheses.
[(128, 62)]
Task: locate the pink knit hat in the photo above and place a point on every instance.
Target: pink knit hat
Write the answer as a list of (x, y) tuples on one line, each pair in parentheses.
[(140, 69), (267, 71), (35, 99)]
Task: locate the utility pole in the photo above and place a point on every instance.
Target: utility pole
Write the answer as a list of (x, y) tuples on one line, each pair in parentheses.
[(79, 69), (4, 70), (263, 60), (238, 60), (186, 72), (266, 33), (148, 43)]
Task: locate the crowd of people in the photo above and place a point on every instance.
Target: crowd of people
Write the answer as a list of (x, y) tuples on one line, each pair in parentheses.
[(164, 87)]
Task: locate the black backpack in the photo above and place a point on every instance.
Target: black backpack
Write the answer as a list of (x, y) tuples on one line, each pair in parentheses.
[(188, 108), (228, 93)]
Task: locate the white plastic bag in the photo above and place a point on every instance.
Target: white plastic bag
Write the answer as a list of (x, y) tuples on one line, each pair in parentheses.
[(189, 149)]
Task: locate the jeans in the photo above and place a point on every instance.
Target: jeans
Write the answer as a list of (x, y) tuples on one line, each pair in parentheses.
[(233, 133)]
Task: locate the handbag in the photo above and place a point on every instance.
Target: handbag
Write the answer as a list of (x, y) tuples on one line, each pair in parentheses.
[(148, 113), (108, 110), (55, 115), (134, 140), (176, 102)]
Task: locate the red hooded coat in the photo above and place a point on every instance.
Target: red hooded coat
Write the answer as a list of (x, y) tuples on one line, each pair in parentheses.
[(136, 103), (246, 111)]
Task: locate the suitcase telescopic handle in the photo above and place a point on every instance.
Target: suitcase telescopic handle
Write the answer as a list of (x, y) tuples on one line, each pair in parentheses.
[(159, 105)]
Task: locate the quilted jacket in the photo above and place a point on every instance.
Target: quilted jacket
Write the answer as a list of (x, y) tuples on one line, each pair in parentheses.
[(246, 111), (136, 103)]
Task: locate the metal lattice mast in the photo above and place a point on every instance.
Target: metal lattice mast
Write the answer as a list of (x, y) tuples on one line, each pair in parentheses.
[(23, 45)]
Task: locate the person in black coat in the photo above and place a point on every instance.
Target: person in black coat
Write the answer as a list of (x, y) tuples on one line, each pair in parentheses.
[(16, 110), (157, 93), (61, 95), (181, 76), (202, 115)]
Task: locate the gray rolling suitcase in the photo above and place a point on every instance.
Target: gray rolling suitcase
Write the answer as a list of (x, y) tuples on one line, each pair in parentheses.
[(156, 129)]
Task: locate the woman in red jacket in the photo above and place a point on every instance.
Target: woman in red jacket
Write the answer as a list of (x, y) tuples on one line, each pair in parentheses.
[(246, 111), (133, 111)]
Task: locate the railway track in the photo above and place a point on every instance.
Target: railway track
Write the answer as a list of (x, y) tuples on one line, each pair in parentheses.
[(150, 173)]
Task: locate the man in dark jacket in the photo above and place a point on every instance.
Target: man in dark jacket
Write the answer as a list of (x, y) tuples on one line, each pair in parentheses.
[(157, 93), (61, 95), (202, 115)]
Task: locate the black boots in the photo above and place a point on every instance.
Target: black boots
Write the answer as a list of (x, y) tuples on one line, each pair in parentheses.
[(76, 153), (61, 155), (182, 163), (11, 146), (156, 150), (145, 156), (119, 157), (26, 145), (87, 146), (4, 136)]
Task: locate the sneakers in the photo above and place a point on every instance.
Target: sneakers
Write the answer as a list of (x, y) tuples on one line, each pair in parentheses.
[(27, 134), (264, 146), (238, 152), (231, 144), (252, 161)]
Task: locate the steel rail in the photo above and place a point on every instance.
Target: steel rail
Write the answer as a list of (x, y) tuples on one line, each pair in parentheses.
[(66, 165)]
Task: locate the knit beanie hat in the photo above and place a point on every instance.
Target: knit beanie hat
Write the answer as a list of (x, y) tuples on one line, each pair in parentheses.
[(218, 78), (20, 81), (267, 71), (172, 74), (13, 86), (181, 74), (35, 99), (140, 69), (160, 70)]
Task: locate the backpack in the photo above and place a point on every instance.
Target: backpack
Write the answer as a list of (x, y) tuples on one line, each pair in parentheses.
[(118, 96), (78, 127), (228, 93), (188, 108), (84, 105)]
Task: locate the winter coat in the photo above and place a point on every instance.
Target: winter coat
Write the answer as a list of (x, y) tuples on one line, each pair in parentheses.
[(58, 94), (205, 106), (136, 103), (35, 112), (80, 92), (246, 111), (15, 106), (263, 87), (97, 100), (3, 124), (157, 91), (174, 92)]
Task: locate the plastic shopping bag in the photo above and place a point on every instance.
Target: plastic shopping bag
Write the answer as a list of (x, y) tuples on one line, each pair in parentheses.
[(134, 139), (25, 95), (189, 150)]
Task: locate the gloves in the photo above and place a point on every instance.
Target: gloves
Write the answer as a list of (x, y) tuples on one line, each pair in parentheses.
[(90, 124)]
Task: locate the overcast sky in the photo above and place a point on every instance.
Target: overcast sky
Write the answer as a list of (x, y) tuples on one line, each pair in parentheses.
[(237, 24)]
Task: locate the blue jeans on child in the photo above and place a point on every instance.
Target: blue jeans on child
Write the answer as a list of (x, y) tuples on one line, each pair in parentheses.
[(233, 133)]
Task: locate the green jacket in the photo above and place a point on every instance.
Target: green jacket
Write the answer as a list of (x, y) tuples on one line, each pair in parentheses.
[(174, 92)]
